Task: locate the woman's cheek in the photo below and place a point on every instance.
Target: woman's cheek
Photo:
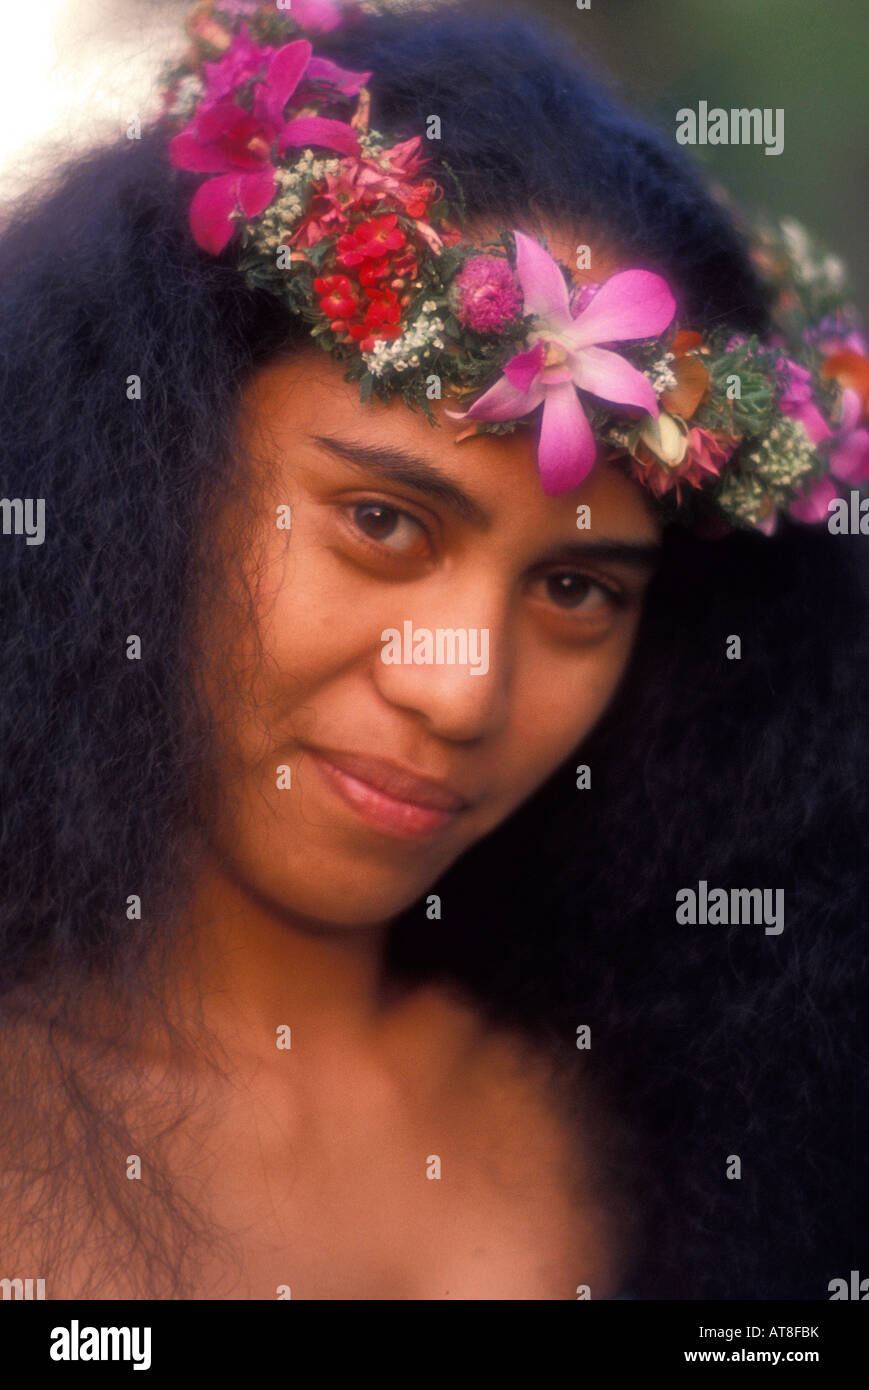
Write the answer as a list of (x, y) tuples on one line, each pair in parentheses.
[(556, 711), (305, 616)]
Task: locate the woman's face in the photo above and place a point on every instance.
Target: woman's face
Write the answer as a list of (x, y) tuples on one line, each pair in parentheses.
[(403, 544)]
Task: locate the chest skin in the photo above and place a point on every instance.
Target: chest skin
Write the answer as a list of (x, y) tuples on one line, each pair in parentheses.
[(446, 1171), (437, 1165)]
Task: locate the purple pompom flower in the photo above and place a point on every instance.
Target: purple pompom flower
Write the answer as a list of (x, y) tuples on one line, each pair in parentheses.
[(487, 297)]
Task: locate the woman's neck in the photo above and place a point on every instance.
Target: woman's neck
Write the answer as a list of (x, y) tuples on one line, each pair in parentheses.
[(248, 972)]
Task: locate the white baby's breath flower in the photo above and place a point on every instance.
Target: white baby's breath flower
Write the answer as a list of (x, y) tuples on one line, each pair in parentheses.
[(661, 375)]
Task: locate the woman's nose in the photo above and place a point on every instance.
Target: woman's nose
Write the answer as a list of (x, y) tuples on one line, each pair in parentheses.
[(450, 663)]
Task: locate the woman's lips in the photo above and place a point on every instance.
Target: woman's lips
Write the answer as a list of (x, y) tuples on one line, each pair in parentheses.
[(384, 811)]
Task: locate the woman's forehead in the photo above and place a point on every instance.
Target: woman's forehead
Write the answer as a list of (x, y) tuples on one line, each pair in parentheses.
[(296, 407)]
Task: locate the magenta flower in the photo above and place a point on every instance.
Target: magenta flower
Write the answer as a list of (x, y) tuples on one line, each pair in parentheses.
[(225, 140), (340, 79), (292, 67), (564, 358), (242, 60), (317, 16), (797, 402), (849, 462), (237, 145), (487, 296)]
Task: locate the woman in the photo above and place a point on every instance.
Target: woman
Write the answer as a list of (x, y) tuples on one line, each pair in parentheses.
[(332, 974)]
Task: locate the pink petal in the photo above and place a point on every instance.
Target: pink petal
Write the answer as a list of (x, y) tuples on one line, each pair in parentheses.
[(319, 16), (347, 82), (798, 380), (285, 72), (503, 402), (403, 156), (542, 281), (521, 370), (609, 376), (255, 191), (554, 376), (850, 459), (320, 130), (852, 408), (186, 151), (567, 451), (813, 506), (630, 304), (209, 212), (241, 61), (224, 121), (810, 418)]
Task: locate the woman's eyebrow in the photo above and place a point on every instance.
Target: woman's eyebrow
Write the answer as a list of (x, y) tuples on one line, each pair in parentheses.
[(416, 472), (410, 469), (639, 555)]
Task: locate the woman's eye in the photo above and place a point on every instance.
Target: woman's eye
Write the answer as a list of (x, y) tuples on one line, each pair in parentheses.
[(384, 527), (390, 527), (575, 592)]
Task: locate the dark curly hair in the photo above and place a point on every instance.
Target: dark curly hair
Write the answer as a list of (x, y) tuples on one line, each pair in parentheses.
[(706, 1041)]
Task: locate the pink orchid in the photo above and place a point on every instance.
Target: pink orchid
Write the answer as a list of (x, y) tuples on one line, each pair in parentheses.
[(244, 59), (565, 358), (849, 462), (340, 79), (290, 68), (238, 65), (236, 145), (225, 140)]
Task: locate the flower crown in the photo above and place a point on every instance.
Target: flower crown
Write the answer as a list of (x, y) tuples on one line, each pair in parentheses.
[(363, 245)]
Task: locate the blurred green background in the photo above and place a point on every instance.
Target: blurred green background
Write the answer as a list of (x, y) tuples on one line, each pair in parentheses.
[(809, 57)]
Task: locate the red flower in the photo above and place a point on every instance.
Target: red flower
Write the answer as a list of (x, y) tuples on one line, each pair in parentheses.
[(372, 272), (382, 320), (365, 304), (360, 185), (371, 240), (337, 299)]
